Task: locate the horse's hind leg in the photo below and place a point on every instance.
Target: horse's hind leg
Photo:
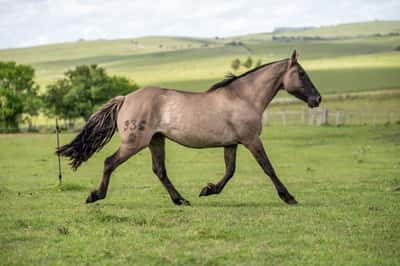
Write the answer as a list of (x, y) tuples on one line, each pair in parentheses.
[(110, 164), (230, 164), (157, 148)]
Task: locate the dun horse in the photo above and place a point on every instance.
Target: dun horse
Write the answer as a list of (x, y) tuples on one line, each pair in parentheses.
[(226, 115)]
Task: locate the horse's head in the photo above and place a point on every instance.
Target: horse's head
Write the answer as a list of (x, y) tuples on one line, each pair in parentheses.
[(298, 83)]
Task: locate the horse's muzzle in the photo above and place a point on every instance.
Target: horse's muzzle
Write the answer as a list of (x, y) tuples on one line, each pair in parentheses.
[(314, 101)]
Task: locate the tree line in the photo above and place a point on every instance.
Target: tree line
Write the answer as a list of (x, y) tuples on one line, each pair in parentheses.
[(77, 95)]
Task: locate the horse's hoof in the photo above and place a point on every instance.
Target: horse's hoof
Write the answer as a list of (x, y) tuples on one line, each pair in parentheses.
[(181, 201), (291, 201), (286, 197), (208, 190), (92, 197)]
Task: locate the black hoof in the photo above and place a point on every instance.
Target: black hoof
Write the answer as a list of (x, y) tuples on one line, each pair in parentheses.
[(92, 197), (209, 190), (289, 199), (181, 201)]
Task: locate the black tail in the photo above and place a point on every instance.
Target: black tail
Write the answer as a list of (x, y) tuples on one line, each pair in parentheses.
[(96, 133)]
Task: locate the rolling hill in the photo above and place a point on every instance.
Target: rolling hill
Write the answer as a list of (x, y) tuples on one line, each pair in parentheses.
[(357, 56)]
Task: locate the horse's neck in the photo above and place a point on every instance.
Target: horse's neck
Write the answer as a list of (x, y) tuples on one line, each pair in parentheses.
[(261, 86)]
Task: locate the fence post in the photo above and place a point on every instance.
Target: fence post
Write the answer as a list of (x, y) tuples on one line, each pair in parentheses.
[(337, 118), (311, 118), (58, 155), (324, 118)]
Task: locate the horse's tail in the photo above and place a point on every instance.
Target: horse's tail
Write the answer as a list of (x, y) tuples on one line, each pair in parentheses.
[(96, 133)]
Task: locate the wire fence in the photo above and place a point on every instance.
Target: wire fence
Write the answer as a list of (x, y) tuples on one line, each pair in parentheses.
[(322, 116)]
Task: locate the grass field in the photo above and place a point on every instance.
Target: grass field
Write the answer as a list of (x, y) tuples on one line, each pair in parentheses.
[(347, 180)]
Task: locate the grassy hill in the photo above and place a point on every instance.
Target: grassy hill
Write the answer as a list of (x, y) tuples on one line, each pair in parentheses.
[(350, 30), (341, 65)]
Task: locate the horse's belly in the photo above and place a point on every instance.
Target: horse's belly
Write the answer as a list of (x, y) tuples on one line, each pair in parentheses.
[(191, 139), (199, 132)]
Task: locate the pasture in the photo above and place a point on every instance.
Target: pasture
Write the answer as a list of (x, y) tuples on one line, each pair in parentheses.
[(346, 179)]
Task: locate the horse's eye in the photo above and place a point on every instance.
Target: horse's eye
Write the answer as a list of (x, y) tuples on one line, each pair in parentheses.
[(301, 73)]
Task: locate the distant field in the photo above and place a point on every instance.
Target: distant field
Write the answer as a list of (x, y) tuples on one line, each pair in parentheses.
[(346, 180), (351, 29), (341, 65)]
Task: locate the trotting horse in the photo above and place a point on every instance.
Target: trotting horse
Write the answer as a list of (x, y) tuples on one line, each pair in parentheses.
[(227, 114)]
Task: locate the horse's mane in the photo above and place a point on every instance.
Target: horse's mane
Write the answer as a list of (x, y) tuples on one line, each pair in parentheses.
[(230, 77)]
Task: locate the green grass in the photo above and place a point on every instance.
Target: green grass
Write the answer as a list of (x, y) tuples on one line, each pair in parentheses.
[(345, 178)]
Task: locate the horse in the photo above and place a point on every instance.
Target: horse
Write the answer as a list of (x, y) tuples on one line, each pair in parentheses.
[(226, 115)]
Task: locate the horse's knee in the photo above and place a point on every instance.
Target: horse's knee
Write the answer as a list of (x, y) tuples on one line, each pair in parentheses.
[(109, 164)]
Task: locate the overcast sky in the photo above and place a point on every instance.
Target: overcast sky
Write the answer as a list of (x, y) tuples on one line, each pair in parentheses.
[(35, 22)]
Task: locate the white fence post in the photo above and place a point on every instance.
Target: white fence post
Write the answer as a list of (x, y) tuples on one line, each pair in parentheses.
[(324, 117)]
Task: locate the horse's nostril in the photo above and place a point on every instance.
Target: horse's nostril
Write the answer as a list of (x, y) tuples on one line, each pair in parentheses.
[(319, 99)]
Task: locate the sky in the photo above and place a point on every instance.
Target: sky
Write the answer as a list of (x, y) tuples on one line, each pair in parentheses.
[(35, 22)]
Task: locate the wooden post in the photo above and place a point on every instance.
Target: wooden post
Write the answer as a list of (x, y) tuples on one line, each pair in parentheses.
[(337, 117), (58, 147), (311, 118), (324, 117)]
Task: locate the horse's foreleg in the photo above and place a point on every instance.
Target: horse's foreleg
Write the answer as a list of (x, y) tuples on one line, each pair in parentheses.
[(157, 148), (230, 164), (112, 162), (257, 149)]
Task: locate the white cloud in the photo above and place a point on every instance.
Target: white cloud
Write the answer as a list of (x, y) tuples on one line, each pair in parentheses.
[(33, 22)]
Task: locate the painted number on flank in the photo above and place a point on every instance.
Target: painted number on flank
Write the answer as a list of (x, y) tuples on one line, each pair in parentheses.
[(133, 124)]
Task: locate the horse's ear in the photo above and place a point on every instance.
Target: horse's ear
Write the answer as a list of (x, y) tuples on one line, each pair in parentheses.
[(293, 58)]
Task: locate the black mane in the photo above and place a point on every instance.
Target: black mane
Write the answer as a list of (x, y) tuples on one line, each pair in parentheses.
[(230, 77)]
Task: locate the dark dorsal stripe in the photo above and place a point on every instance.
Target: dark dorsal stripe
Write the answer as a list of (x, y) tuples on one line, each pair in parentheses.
[(230, 77)]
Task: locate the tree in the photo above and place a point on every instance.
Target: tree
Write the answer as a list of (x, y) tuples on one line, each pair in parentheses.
[(235, 64), (18, 94), (83, 90), (55, 103), (259, 62), (248, 63)]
